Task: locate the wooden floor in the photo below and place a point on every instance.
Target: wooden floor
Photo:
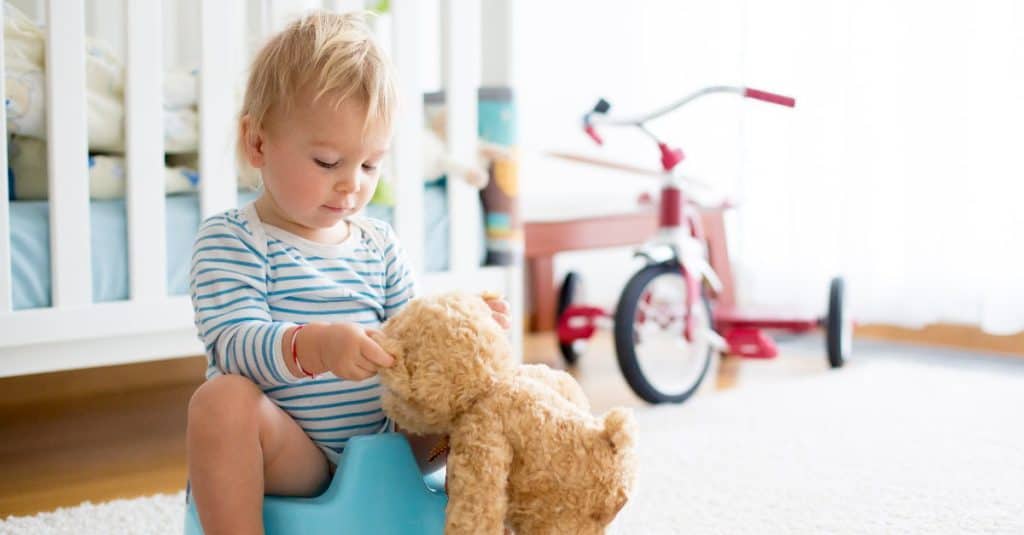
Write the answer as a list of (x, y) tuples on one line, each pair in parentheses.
[(99, 444), (81, 439)]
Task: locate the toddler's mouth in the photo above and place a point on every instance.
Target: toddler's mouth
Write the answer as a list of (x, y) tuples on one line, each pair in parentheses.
[(337, 209)]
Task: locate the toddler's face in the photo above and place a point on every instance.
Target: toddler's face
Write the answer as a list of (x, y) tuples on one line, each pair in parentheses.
[(318, 163)]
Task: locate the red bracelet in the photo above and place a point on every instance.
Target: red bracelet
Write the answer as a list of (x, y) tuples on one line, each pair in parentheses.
[(295, 354)]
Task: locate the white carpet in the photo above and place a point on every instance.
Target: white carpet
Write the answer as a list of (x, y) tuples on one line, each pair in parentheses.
[(878, 447), (883, 446), (153, 515)]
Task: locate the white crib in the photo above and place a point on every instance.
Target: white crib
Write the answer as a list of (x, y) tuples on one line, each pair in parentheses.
[(75, 332)]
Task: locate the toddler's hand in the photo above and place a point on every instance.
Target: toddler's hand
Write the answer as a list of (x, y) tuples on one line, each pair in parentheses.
[(499, 308), (350, 353)]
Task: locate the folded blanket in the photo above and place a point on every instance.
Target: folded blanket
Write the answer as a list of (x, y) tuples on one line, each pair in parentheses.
[(24, 80), (28, 173)]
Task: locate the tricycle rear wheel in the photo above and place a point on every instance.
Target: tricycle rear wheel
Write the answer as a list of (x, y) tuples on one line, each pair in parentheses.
[(566, 296), (838, 325)]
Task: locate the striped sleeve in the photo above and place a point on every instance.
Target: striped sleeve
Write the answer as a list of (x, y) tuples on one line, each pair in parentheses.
[(400, 284), (229, 297)]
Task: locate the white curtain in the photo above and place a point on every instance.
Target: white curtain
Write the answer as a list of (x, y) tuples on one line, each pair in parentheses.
[(901, 168)]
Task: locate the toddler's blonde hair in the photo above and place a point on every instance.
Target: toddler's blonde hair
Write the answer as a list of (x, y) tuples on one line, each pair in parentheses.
[(335, 54)]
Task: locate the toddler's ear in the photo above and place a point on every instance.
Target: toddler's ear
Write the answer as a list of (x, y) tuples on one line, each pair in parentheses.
[(252, 141)]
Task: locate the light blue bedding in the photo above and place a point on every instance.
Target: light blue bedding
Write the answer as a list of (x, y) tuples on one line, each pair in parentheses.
[(30, 244)]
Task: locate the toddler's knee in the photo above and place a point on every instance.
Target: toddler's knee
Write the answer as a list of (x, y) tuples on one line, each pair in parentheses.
[(223, 401)]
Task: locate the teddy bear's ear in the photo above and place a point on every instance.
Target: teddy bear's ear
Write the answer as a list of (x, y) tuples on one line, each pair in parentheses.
[(392, 346)]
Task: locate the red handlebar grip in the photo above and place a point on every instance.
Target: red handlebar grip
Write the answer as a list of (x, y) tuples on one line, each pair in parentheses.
[(770, 97), (592, 132)]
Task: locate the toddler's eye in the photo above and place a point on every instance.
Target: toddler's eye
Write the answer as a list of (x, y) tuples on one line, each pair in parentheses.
[(369, 167), (325, 165)]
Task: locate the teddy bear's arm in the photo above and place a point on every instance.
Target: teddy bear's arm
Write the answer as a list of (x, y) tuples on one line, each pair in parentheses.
[(478, 468), (561, 382)]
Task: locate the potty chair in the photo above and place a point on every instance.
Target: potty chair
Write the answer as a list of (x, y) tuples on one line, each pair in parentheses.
[(377, 488)]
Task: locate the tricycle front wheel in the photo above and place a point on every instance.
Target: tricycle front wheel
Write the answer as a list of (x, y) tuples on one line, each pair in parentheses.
[(655, 357)]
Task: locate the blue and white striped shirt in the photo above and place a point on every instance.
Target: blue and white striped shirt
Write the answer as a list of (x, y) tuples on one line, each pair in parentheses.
[(250, 282)]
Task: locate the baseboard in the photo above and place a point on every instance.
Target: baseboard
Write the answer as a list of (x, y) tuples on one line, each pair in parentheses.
[(947, 335), (60, 386), (944, 335), (88, 382)]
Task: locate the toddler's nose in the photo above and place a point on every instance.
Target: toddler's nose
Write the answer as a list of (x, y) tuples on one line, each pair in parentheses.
[(347, 185)]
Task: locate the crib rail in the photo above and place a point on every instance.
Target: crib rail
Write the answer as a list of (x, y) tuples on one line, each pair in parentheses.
[(67, 154), (407, 157), (220, 66), (75, 331), (460, 62), (6, 301), (144, 150)]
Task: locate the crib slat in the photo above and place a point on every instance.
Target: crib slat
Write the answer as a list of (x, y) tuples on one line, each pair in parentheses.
[(5, 214), (407, 159), (105, 21), (257, 26), (144, 160), (67, 154), (220, 26), (344, 6), (461, 64), (283, 12)]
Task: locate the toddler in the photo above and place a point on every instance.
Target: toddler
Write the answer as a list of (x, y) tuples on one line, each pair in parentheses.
[(286, 288)]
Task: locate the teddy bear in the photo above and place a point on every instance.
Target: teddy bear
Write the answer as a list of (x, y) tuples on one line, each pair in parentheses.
[(525, 451)]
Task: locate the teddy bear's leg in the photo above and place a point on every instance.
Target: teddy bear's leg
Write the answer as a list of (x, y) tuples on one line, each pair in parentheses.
[(561, 382), (478, 468), (543, 526)]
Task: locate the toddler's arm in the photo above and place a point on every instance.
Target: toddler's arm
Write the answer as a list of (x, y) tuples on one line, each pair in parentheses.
[(400, 284), (232, 315), (229, 297), (343, 348)]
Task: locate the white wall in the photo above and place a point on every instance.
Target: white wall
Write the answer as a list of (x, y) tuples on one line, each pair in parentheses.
[(899, 168), (637, 56)]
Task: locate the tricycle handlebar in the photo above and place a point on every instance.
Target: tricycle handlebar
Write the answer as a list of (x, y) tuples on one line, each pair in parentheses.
[(781, 100), (599, 115)]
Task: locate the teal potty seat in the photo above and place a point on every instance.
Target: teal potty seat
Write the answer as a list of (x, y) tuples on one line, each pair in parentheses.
[(377, 489)]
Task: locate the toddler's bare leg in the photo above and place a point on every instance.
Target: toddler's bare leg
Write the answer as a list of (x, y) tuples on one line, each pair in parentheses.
[(241, 446)]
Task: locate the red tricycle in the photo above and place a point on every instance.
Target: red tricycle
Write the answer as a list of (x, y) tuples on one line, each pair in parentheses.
[(666, 330)]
